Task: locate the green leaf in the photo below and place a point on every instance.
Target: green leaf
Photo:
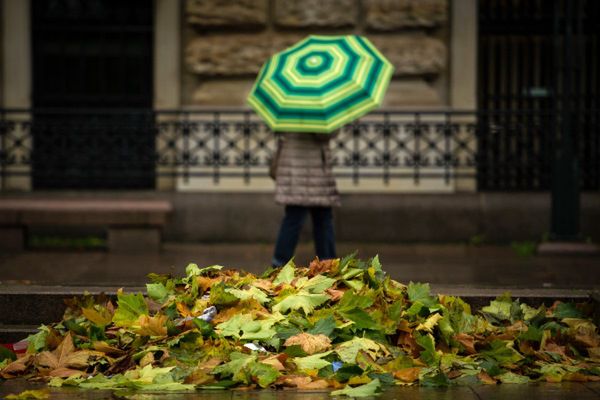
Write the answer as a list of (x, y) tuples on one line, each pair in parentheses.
[(369, 389), (567, 310), (432, 377), (351, 300), (420, 292), (263, 373), (503, 352), (348, 350), (500, 310), (324, 326), (6, 354), (29, 394), (130, 307), (429, 355), (302, 300), (511, 377), (533, 334), (220, 296), (236, 367), (233, 326), (314, 362), (287, 273), (157, 291), (37, 341), (192, 270), (317, 284), (361, 318), (251, 293)]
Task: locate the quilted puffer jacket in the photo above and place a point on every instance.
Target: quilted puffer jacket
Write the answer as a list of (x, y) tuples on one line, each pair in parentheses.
[(303, 176)]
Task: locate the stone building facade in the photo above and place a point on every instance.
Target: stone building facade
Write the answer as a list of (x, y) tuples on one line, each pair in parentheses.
[(226, 42), (206, 54)]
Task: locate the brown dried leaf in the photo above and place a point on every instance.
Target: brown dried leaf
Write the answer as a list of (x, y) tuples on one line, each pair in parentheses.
[(108, 349), (486, 379), (64, 361), (276, 361), (263, 284), (311, 344), (17, 367), (324, 267), (407, 375), (335, 294), (467, 341)]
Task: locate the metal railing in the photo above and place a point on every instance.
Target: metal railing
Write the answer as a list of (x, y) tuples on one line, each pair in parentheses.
[(502, 150)]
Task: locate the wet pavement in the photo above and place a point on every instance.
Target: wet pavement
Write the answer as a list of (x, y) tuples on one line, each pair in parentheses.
[(452, 264), (533, 391)]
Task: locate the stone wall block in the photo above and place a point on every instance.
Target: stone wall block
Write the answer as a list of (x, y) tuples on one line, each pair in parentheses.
[(226, 13), (235, 54), (315, 13), (412, 55), (411, 93), (222, 93), (389, 15)]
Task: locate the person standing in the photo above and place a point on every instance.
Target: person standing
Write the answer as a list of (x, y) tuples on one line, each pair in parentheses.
[(304, 184)]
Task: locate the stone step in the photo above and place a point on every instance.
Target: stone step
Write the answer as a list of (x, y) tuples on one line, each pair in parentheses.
[(25, 307)]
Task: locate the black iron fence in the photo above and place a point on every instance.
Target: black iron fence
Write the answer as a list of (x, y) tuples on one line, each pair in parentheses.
[(499, 150)]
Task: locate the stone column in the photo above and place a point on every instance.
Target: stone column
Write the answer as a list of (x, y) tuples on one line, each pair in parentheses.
[(463, 71), (16, 76), (167, 69)]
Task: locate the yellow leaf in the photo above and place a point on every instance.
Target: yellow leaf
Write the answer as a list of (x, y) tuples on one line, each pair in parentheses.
[(311, 344), (358, 380), (430, 323), (152, 326), (101, 318), (30, 394)]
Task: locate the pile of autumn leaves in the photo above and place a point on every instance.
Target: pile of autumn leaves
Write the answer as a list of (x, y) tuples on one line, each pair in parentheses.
[(338, 324)]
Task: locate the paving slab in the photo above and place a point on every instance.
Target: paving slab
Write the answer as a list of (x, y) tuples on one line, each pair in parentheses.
[(533, 391), (490, 266)]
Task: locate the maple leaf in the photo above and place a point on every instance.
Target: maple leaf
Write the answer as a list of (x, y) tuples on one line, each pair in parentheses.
[(30, 394), (17, 367), (250, 293), (130, 307), (151, 326), (65, 361), (287, 274), (311, 344), (313, 362), (366, 390), (99, 315), (430, 323), (316, 266), (467, 341), (408, 375), (316, 284), (301, 300), (347, 351)]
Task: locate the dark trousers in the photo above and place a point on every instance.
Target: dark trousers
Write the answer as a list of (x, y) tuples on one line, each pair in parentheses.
[(289, 232)]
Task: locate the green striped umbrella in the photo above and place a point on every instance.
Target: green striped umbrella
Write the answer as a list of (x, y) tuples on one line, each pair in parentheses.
[(320, 84)]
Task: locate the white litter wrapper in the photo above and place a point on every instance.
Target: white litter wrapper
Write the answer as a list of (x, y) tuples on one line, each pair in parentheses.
[(255, 347), (208, 314)]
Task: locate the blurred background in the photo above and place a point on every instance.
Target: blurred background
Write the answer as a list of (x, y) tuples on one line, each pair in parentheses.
[(126, 146)]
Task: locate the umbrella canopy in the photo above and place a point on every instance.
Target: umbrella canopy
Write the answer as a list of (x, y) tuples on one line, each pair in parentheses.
[(320, 84)]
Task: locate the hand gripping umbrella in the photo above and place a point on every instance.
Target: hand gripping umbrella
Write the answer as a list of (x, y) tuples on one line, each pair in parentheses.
[(320, 84)]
